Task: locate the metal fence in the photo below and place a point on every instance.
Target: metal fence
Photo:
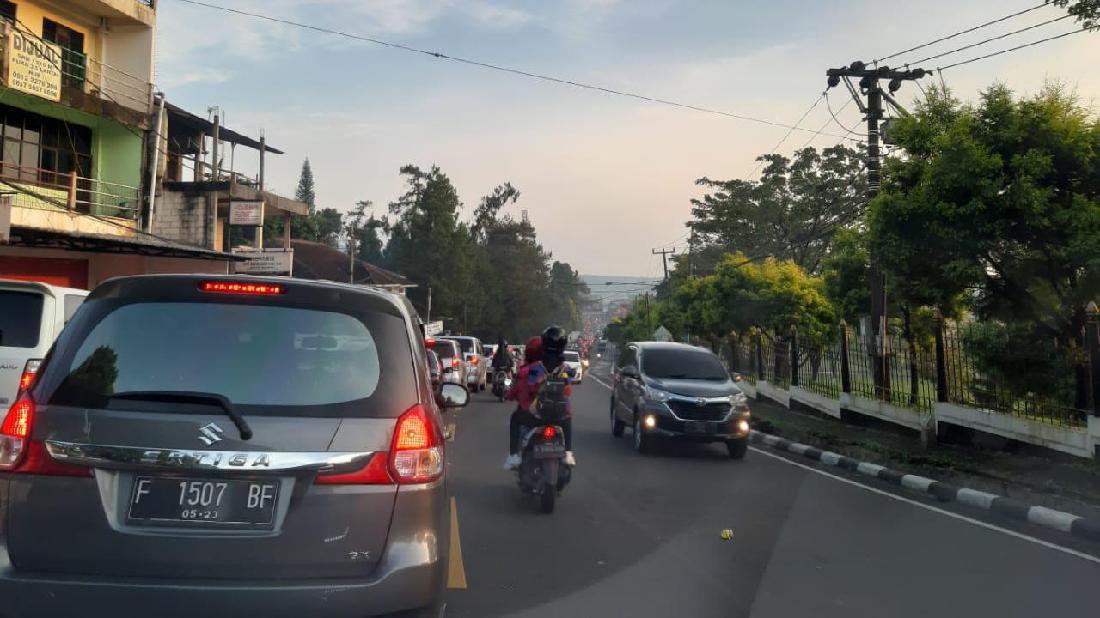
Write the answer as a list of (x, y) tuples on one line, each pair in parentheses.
[(819, 369), (913, 373), (776, 361), (969, 383)]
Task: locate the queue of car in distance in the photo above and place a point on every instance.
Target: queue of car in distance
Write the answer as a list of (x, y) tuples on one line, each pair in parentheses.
[(130, 475), (678, 392)]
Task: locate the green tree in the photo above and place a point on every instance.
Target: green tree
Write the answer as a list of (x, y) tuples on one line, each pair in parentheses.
[(429, 244), (1087, 12), (791, 212), (362, 231), (329, 226), (307, 189), (844, 274), (998, 202)]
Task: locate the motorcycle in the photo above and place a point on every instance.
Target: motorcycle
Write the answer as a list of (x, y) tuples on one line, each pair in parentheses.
[(541, 470), (502, 381)]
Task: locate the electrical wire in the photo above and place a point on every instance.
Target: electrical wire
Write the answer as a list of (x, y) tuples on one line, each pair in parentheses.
[(989, 40), (1012, 49), (960, 33), (495, 67), (774, 149), (837, 120)]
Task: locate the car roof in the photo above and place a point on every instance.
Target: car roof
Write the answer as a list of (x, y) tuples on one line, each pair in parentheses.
[(17, 284), (667, 345), (457, 337)]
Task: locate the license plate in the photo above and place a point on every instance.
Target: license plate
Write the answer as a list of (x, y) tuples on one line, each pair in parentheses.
[(549, 451), (203, 502), (698, 427)]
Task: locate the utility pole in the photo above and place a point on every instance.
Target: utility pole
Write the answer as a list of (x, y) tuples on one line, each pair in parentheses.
[(873, 112), (664, 253)]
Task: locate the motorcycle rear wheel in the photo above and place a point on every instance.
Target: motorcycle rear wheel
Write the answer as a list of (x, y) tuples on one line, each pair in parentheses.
[(546, 498)]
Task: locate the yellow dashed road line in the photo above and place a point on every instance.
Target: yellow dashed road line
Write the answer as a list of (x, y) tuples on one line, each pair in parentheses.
[(456, 572)]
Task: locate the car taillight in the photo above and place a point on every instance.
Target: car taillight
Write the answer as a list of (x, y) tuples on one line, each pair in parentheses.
[(549, 432), (374, 473), (29, 370), (18, 453), (476, 361), (233, 287), (417, 452), (455, 362), (415, 456)]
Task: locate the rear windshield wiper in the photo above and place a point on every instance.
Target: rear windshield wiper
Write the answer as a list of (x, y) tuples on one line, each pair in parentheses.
[(192, 397)]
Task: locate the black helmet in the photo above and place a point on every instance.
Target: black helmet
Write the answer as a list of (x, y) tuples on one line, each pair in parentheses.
[(553, 340)]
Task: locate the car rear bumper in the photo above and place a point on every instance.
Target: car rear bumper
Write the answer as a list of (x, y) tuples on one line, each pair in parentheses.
[(411, 574)]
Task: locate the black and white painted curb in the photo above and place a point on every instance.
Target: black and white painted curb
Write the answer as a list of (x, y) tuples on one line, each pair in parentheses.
[(1041, 515)]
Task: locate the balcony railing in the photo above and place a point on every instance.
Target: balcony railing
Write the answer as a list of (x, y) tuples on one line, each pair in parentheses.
[(97, 78), (50, 190)]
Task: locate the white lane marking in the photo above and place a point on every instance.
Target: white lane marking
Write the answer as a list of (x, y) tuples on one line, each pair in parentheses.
[(976, 498), (920, 483), (1053, 519), (970, 520)]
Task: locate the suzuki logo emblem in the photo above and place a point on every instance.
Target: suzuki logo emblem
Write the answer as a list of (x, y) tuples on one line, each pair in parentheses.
[(210, 433), (700, 402)]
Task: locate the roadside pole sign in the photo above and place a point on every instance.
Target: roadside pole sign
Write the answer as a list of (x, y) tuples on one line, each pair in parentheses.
[(246, 213), (266, 262), (433, 329)]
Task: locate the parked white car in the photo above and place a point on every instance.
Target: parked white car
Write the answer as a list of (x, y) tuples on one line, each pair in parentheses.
[(31, 317), (572, 359)]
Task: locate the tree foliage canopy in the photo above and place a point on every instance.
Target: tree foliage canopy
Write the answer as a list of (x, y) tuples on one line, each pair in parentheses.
[(790, 213), (1000, 202)]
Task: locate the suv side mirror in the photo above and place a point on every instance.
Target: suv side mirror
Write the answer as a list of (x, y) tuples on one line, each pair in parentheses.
[(630, 371), (454, 395)]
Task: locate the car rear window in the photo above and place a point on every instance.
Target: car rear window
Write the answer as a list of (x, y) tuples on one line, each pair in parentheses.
[(467, 345), (446, 349), (682, 364), (572, 357), (20, 319), (262, 358)]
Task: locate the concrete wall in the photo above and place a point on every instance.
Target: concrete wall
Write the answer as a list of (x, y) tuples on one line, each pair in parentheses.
[(1079, 441), (182, 217), (1072, 440)]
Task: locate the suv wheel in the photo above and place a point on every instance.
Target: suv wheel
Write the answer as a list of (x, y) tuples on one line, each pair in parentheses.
[(738, 448), (643, 442), (617, 426)]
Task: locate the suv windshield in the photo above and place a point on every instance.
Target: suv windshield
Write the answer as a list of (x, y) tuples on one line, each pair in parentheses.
[(682, 364), (20, 319), (257, 357)]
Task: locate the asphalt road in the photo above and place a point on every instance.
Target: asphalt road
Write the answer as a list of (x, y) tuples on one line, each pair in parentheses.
[(639, 536)]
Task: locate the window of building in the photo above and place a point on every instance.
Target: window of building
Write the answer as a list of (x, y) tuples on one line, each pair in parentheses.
[(46, 150), (73, 61), (7, 11)]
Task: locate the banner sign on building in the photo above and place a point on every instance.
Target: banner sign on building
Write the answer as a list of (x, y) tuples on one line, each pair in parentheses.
[(266, 262), (33, 66), (432, 329), (250, 213)]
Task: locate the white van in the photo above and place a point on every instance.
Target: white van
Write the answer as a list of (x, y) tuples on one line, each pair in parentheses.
[(31, 317)]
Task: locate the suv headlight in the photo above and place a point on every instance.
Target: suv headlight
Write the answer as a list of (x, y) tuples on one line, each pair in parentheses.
[(739, 401), (656, 394)]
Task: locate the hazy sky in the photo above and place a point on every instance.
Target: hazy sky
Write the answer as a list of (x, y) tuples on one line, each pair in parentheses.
[(604, 178)]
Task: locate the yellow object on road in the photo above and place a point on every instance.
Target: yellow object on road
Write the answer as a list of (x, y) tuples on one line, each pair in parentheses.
[(727, 534)]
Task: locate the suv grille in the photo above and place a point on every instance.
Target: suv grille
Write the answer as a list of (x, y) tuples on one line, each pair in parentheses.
[(691, 412)]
